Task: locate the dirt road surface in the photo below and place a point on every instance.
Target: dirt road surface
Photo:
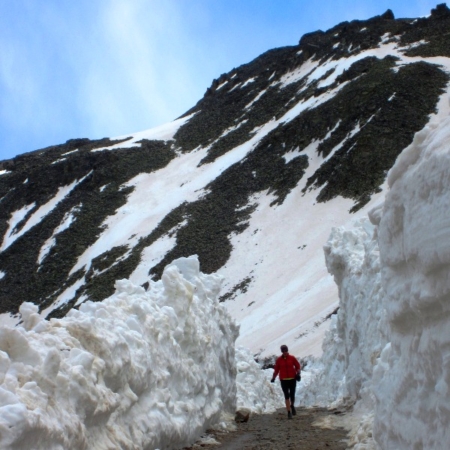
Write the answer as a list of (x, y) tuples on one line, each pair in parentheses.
[(275, 432)]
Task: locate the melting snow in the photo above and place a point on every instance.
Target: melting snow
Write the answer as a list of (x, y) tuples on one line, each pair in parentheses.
[(392, 331)]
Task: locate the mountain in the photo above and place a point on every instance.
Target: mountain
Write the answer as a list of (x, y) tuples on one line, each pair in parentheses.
[(251, 179)]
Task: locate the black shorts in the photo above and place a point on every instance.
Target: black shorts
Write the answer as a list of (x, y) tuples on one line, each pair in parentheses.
[(288, 387)]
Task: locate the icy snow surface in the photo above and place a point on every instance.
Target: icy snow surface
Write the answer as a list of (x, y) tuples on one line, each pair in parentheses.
[(139, 370), (388, 347)]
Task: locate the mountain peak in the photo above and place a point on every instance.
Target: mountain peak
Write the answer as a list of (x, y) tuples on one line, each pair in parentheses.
[(441, 10)]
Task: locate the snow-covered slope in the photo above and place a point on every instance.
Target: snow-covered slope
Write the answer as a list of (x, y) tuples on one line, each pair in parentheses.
[(251, 179), (388, 346)]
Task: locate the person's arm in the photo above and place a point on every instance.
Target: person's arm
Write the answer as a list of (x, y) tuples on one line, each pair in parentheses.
[(275, 371), (297, 365), (298, 369)]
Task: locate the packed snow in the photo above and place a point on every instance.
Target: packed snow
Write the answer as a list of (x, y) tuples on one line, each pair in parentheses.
[(387, 348), (139, 370), (254, 390), (142, 369)]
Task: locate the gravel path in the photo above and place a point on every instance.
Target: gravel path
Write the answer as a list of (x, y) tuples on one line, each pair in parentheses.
[(276, 432)]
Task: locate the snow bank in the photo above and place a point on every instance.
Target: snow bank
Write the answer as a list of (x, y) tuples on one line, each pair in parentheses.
[(255, 392), (412, 380), (138, 370), (389, 347), (357, 333)]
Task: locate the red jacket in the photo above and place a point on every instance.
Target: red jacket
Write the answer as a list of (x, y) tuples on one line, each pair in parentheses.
[(287, 366)]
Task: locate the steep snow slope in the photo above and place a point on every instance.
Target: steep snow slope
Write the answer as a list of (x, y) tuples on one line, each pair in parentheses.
[(251, 179)]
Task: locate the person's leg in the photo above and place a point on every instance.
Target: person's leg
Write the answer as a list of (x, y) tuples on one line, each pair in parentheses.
[(285, 386), (292, 388), (292, 396)]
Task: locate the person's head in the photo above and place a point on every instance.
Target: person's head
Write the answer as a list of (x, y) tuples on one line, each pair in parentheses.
[(284, 349)]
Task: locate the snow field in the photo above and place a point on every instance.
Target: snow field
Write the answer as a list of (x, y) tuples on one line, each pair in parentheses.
[(139, 370)]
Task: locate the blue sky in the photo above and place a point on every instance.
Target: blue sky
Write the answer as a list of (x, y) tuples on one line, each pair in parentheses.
[(104, 68)]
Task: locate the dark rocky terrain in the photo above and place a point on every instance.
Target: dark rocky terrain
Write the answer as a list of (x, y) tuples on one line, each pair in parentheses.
[(386, 106)]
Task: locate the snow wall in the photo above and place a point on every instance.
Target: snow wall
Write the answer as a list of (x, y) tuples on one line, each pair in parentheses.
[(389, 346), (140, 370), (255, 392)]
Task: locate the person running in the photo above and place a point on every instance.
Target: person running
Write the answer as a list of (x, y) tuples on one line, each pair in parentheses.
[(289, 369)]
